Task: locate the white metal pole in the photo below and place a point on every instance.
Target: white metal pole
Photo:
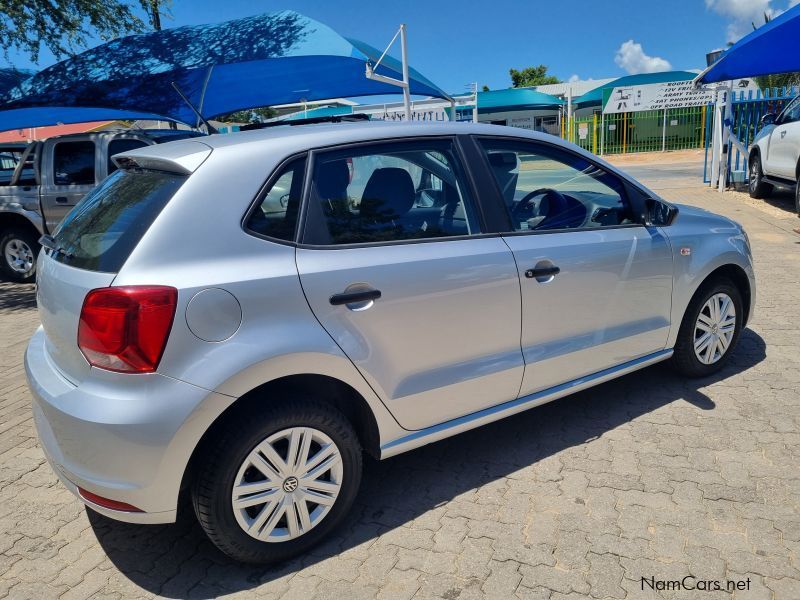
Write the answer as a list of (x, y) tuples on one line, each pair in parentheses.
[(475, 105), (715, 140), (664, 133), (404, 54), (453, 110), (569, 114), (725, 140)]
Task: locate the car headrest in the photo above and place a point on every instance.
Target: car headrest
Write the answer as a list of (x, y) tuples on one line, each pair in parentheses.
[(333, 178), (506, 161), (389, 194)]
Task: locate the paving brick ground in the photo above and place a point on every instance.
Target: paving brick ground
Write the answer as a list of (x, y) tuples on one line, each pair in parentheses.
[(649, 475)]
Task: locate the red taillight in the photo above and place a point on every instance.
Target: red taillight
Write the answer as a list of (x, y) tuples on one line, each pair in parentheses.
[(125, 329)]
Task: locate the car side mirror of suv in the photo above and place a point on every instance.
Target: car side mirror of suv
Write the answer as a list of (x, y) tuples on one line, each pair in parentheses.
[(659, 213), (768, 119)]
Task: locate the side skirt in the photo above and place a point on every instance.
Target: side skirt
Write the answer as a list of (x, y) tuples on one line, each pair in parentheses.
[(495, 413)]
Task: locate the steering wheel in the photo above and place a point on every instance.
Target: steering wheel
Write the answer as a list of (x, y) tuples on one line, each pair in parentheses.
[(556, 197)]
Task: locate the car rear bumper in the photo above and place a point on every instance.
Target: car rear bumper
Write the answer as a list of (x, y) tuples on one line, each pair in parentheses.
[(127, 438)]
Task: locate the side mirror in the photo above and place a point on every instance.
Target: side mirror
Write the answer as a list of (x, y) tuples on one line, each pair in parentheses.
[(659, 213), (768, 119)]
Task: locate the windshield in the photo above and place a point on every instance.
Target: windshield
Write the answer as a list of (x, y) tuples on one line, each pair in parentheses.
[(103, 229)]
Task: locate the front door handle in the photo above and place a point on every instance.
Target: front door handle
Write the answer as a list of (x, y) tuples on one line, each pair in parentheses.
[(62, 199), (783, 134), (355, 297), (542, 272)]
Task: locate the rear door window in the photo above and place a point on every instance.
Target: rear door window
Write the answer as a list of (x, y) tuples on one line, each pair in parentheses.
[(73, 163), (103, 229), (389, 192)]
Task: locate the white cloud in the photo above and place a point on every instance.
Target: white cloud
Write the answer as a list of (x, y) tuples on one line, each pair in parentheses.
[(575, 77), (632, 58), (744, 13)]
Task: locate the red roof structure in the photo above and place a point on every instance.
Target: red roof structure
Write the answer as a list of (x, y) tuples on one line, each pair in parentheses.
[(40, 133)]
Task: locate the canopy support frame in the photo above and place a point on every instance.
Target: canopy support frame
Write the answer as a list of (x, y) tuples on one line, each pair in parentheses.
[(209, 127), (404, 83)]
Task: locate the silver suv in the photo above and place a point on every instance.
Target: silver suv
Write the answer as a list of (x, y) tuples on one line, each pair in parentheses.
[(242, 316)]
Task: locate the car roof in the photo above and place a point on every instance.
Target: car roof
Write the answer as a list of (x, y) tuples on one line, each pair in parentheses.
[(340, 133)]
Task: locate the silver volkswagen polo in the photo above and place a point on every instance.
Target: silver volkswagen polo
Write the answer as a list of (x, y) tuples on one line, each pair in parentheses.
[(243, 316)]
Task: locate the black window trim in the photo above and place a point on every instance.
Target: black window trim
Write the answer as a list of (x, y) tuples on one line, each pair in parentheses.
[(452, 139), (633, 194), (265, 188), (82, 140)]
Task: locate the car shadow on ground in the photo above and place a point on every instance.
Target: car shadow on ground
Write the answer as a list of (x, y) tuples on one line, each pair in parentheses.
[(15, 297), (178, 561), (782, 200)]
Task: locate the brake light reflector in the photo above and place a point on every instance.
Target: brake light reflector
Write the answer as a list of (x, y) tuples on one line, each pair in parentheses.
[(106, 502), (125, 329)]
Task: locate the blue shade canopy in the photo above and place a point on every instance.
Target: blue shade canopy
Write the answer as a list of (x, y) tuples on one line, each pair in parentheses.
[(772, 48), (269, 59), (10, 80)]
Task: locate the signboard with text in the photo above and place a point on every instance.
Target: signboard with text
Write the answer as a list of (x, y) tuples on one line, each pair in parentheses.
[(655, 96)]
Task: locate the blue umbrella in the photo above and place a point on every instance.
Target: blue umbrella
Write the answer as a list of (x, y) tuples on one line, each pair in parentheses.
[(770, 49), (269, 59)]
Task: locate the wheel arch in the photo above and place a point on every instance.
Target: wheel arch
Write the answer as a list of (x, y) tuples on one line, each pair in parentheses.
[(9, 219), (323, 388), (737, 275)]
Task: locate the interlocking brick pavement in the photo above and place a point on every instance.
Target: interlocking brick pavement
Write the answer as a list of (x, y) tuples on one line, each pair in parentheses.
[(649, 475)]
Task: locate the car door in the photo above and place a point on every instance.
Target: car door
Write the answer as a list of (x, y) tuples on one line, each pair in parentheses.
[(425, 305), (784, 143), (596, 285), (69, 172)]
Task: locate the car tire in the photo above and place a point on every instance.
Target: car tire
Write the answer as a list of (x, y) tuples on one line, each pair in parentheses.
[(247, 439), (797, 196), (757, 186), (18, 251), (691, 357)]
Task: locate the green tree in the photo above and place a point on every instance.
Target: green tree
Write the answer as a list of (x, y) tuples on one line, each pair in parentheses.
[(253, 115), (66, 26), (530, 76)]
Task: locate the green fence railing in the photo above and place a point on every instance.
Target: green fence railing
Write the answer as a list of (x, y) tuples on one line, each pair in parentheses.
[(644, 131)]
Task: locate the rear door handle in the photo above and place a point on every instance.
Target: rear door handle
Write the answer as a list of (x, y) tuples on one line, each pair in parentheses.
[(355, 297), (62, 199), (542, 272)]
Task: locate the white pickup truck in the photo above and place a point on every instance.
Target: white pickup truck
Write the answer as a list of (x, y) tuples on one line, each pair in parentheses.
[(41, 182), (775, 154)]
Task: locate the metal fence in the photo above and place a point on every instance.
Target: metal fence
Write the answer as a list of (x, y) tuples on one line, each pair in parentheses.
[(645, 131), (748, 107)]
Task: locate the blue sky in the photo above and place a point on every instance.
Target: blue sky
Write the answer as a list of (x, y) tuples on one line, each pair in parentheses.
[(454, 43)]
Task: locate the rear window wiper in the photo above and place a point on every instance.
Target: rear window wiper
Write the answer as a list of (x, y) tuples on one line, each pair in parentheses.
[(47, 241)]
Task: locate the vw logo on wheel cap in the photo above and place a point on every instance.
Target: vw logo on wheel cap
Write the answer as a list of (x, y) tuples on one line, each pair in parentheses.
[(290, 484)]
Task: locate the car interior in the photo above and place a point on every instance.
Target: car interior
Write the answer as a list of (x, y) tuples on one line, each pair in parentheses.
[(384, 197), (543, 193)]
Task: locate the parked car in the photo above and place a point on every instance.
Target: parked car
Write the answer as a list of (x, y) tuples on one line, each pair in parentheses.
[(40, 182), (242, 316), (775, 154)]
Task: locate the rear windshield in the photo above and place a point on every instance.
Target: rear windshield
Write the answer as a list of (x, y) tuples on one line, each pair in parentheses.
[(103, 229)]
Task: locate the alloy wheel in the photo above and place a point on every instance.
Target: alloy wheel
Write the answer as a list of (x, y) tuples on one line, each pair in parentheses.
[(755, 173), (714, 328), (19, 256), (287, 484)]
